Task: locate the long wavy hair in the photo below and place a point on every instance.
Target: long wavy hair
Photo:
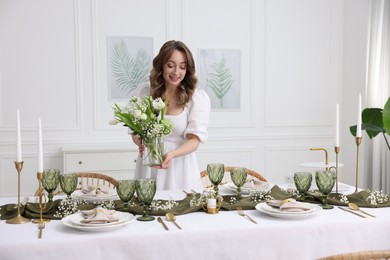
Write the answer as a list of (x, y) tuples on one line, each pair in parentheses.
[(157, 82)]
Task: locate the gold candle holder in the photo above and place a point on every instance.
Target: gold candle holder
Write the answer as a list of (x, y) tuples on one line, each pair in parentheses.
[(42, 205), (358, 141), (326, 156), (337, 150), (18, 219)]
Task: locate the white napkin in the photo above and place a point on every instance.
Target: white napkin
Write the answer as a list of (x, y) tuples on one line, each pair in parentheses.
[(98, 215), (288, 205), (95, 190), (254, 183)]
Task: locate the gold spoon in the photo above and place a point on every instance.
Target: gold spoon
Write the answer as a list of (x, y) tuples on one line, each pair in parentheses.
[(353, 206), (170, 217)]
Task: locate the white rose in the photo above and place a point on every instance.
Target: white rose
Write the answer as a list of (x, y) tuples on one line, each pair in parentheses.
[(158, 104), (137, 113)]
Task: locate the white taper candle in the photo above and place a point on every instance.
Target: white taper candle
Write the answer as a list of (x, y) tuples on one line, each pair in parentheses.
[(359, 119), (18, 138), (40, 148), (337, 128)]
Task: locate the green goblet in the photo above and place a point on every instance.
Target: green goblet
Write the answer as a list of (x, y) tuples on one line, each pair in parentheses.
[(68, 183), (50, 181), (238, 176), (302, 182), (325, 181), (146, 189), (125, 190), (215, 171)]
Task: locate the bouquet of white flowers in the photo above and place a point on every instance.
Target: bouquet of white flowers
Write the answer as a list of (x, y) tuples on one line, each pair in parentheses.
[(145, 117)]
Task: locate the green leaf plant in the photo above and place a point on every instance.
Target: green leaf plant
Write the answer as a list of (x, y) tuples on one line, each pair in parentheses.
[(375, 121)]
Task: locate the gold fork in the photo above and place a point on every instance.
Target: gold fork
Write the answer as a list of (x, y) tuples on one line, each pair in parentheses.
[(41, 225), (241, 213)]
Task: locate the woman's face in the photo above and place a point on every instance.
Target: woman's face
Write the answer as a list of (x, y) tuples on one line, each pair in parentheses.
[(174, 70)]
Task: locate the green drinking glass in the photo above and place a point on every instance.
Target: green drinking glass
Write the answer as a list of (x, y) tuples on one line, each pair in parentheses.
[(215, 171), (303, 182), (68, 183), (146, 189), (125, 190), (238, 176), (50, 181), (325, 181)]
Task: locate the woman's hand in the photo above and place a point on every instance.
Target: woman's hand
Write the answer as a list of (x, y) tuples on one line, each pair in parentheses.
[(138, 141)]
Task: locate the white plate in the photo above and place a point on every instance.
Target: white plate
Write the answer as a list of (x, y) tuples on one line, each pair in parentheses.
[(274, 212), (97, 228), (246, 188), (77, 217), (95, 198)]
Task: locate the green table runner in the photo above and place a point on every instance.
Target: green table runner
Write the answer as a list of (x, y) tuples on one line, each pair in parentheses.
[(187, 205)]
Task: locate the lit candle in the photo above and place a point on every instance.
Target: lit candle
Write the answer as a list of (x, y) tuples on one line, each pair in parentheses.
[(40, 149), (211, 203), (337, 138), (359, 119), (18, 138)]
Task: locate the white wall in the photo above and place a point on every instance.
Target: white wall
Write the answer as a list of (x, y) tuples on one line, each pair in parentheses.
[(299, 58)]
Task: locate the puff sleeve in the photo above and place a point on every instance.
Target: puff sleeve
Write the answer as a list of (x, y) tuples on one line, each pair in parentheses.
[(199, 114)]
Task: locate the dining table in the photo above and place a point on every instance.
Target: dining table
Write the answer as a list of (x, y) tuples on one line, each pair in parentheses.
[(225, 235)]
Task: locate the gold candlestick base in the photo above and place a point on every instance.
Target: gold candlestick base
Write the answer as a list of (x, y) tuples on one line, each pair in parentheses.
[(42, 205), (358, 141), (18, 219)]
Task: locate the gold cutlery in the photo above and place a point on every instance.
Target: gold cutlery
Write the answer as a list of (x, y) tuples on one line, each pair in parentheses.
[(194, 191), (241, 213), (41, 226), (170, 217), (187, 193), (159, 219), (350, 211), (353, 206)]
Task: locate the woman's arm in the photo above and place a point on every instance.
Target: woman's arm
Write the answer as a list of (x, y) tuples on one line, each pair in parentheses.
[(189, 146)]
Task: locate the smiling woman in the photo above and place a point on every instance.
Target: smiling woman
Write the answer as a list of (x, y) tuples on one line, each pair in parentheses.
[(173, 79)]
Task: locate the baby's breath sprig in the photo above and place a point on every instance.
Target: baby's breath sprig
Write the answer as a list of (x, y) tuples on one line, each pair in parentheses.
[(233, 200), (69, 206), (259, 195), (106, 204), (197, 201), (168, 205), (376, 197)]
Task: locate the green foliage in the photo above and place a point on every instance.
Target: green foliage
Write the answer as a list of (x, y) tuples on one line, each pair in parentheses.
[(220, 81), (375, 121), (129, 71)]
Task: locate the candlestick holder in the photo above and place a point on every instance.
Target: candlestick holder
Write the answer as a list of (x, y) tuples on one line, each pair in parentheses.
[(18, 219), (358, 141), (42, 205), (337, 150), (326, 156)]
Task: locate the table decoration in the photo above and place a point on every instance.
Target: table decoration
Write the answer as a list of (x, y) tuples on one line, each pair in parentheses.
[(325, 181), (211, 201), (50, 181), (68, 183), (215, 172), (302, 181), (145, 117), (125, 190), (146, 189), (18, 219), (238, 176)]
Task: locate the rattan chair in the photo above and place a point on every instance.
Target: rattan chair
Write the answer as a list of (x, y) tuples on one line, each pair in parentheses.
[(365, 255), (251, 175)]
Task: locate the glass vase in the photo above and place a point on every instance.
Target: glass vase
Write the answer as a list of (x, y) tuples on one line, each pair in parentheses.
[(154, 152)]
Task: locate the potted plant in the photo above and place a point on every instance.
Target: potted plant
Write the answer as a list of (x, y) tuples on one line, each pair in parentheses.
[(375, 121)]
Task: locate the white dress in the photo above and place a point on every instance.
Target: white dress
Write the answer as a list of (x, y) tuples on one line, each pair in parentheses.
[(183, 172)]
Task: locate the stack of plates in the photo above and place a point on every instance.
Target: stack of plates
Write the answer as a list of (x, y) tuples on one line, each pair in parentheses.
[(95, 198), (277, 213), (74, 221)]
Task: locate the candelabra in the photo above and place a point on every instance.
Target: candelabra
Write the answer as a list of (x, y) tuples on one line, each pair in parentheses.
[(337, 150), (358, 140), (18, 219)]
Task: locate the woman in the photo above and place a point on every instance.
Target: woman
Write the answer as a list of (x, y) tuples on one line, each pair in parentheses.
[(173, 78)]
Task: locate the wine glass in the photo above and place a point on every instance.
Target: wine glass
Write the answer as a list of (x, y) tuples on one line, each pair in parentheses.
[(215, 171), (146, 189), (325, 181), (302, 182), (50, 181), (68, 183), (238, 176), (125, 190)]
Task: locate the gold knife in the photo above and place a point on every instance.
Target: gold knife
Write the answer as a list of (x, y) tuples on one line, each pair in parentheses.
[(41, 226), (159, 219), (357, 214)]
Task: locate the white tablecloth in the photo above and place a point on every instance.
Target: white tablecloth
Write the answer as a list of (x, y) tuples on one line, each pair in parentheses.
[(225, 235)]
